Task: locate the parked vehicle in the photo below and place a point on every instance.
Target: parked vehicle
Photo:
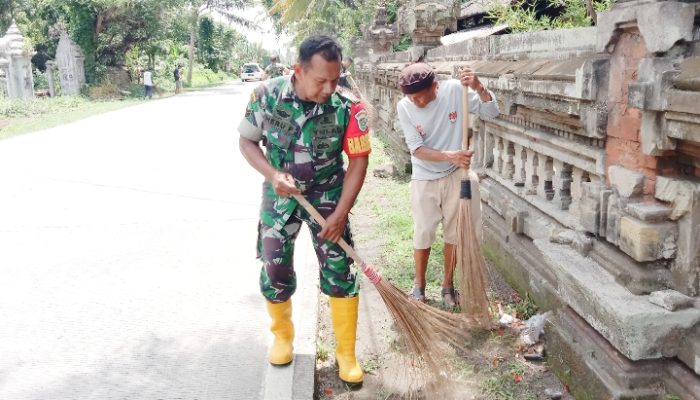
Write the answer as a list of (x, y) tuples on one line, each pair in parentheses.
[(252, 72)]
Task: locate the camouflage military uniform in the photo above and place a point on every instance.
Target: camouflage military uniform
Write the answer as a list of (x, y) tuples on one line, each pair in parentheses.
[(306, 140), (274, 70)]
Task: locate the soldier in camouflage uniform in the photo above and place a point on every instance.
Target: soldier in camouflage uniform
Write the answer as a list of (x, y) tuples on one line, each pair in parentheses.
[(306, 126), (275, 69)]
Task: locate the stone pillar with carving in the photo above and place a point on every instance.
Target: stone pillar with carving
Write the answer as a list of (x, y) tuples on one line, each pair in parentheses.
[(380, 35), (50, 65), (16, 64), (426, 21), (4, 74), (71, 66), (653, 133)]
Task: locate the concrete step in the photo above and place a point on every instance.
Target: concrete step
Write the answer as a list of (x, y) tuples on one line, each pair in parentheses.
[(637, 328)]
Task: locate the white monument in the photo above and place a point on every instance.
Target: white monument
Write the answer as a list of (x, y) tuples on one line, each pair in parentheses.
[(15, 65), (71, 66)]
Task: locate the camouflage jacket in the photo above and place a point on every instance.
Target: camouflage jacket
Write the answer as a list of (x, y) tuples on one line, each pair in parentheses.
[(306, 140), (274, 70)]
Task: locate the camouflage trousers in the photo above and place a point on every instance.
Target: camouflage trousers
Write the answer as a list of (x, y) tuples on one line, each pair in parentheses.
[(276, 251)]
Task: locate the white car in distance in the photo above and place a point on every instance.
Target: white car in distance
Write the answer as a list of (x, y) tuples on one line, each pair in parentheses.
[(252, 72)]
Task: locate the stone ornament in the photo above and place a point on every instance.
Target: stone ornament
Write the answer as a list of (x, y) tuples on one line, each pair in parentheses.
[(15, 65)]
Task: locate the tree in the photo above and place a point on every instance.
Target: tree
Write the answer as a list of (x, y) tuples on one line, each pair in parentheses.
[(339, 18), (223, 8), (106, 30)]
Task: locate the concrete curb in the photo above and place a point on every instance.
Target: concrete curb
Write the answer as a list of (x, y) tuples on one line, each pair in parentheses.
[(296, 381)]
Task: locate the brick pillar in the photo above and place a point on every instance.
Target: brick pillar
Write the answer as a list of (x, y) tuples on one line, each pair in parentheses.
[(623, 145)]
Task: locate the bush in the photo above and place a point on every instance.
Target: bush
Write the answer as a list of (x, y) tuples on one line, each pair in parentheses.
[(105, 90), (135, 90), (202, 76), (40, 80)]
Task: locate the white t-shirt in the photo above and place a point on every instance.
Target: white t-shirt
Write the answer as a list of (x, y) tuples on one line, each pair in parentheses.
[(147, 81), (439, 125)]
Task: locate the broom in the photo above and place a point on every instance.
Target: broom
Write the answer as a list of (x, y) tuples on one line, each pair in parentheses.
[(471, 266), (371, 110), (429, 333)]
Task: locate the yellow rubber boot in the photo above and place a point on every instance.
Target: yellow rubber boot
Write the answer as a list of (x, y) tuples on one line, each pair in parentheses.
[(283, 329), (344, 314)]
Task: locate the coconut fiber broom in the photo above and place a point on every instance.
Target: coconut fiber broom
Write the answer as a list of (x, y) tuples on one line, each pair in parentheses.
[(429, 333), (471, 266)]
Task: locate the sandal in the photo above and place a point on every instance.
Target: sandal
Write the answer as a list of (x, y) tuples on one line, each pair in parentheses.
[(418, 294), (450, 297)]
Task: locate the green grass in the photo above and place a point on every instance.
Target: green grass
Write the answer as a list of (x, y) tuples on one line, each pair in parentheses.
[(388, 202), (323, 350), (53, 112), (371, 365), (20, 116), (502, 385)]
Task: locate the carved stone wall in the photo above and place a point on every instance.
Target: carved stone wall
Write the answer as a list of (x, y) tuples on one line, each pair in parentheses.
[(591, 187)]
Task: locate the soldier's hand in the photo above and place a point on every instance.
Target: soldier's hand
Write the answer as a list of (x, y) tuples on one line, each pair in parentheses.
[(283, 184), (460, 158), (335, 226)]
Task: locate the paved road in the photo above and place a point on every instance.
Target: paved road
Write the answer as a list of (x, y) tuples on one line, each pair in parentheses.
[(127, 265)]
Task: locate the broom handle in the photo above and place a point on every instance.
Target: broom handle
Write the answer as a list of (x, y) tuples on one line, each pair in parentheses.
[(352, 83), (322, 221), (465, 125)]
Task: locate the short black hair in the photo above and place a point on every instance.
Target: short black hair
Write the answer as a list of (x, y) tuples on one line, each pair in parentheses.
[(324, 45)]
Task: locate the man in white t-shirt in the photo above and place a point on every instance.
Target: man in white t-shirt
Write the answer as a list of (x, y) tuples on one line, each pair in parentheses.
[(430, 115), (148, 83)]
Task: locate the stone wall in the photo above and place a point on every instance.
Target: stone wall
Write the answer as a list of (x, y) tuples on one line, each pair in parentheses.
[(591, 186)]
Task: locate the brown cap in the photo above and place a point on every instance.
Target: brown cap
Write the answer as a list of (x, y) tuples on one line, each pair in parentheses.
[(416, 77)]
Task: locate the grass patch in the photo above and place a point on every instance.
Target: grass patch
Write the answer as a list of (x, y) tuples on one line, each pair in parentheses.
[(323, 350), (23, 116), (19, 116), (388, 202), (371, 365), (507, 382)]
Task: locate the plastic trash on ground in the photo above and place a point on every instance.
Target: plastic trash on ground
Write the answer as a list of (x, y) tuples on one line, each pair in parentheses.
[(534, 327)]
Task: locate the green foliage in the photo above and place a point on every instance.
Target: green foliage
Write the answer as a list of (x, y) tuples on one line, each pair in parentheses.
[(392, 8), (338, 18), (216, 45), (40, 80), (202, 76), (323, 350), (523, 16), (206, 43), (403, 44), (526, 308)]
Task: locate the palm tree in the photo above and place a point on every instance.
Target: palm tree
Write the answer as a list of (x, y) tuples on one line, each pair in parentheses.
[(295, 10), (291, 10), (224, 8)]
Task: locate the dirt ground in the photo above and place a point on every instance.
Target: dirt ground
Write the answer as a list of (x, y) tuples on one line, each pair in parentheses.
[(494, 369)]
